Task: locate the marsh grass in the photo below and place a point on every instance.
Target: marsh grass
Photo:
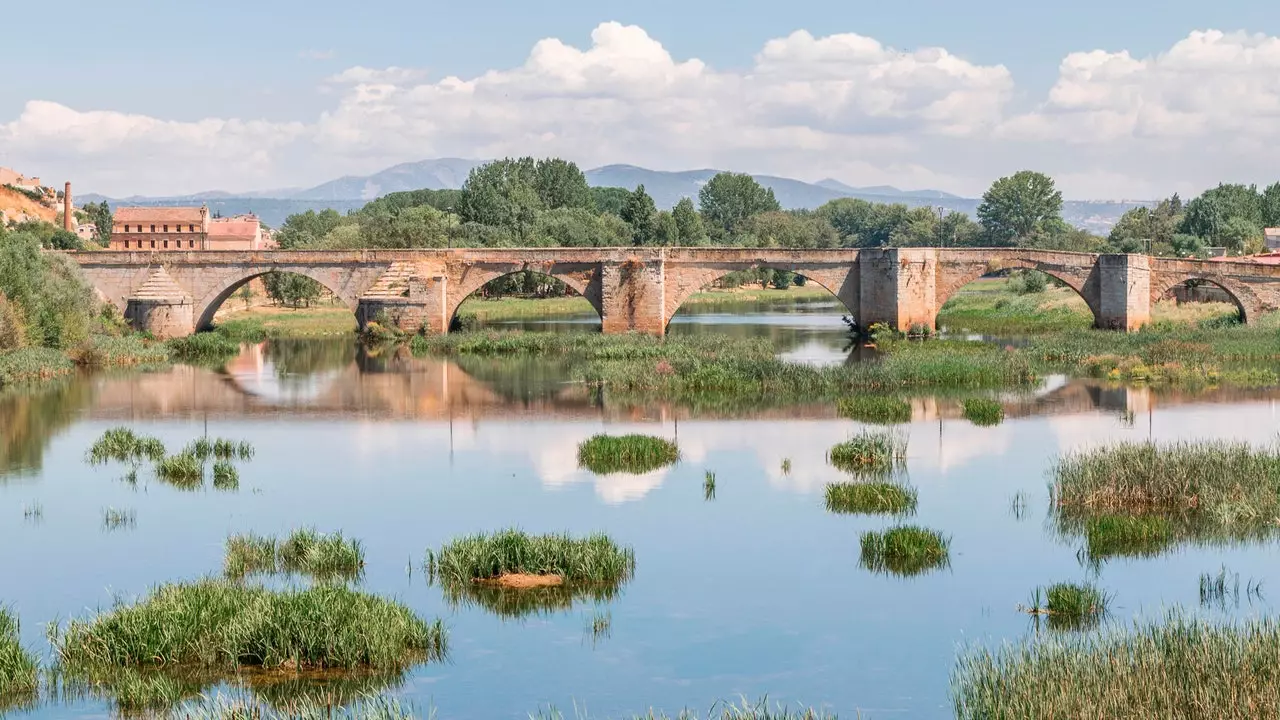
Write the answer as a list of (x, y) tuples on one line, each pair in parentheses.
[(592, 560), (521, 603), (786, 467), (870, 452), (33, 512), (118, 519), (1018, 505), (1223, 589), (1069, 606), (709, 486), (303, 552), (19, 671), (875, 409), (1140, 498), (239, 706), (600, 626), (121, 444), (741, 710), (1179, 668), (225, 476), (215, 624), (204, 346), (184, 471), (871, 498), (983, 412), (906, 550), (638, 454)]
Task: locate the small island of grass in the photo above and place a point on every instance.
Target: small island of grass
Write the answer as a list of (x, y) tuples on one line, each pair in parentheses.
[(871, 498), (905, 550), (608, 454)]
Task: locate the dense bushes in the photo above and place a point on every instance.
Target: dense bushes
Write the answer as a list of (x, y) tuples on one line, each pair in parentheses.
[(49, 303)]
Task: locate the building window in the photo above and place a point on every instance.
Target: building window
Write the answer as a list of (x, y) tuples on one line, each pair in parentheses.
[(153, 229), (166, 228), (191, 228), (153, 244), (126, 229), (177, 228), (166, 244)]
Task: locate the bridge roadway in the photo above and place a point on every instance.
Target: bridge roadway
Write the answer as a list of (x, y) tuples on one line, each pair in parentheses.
[(174, 293)]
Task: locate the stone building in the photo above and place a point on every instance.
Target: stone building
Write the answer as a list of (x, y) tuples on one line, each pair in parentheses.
[(17, 179), (243, 232), (1272, 236), (160, 228)]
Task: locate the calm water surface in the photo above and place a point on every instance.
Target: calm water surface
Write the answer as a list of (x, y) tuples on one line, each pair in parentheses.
[(756, 592)]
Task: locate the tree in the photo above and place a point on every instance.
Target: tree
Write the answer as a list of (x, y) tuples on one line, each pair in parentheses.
[(1271, 205), (292, 289), (666, 231), (420, 226), (1239, 234), (641, 214), (561, 184), (1017, 206), (100, 215), (576, 227), (728, 199), (1187, 246), (1209, 214), (795, 229), (502, 193), (688, 223), (307, 229), (610, 199)]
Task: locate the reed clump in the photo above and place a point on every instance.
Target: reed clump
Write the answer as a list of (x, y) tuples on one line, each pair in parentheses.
[(239, 706), (19, 671), (1179, 668), (607, 454), (871, 498), (873, 452), (1210, 490), (204, 346), (875, 409), (983, 412), (906, 550), (303, 552), (118, 518), (1070, 606), (184, 470), (592, 560), (219, 625), (121, 444), (741, 710)]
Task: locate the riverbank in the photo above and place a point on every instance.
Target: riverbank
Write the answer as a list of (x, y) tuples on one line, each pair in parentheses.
[(276, 321), (504, 309)]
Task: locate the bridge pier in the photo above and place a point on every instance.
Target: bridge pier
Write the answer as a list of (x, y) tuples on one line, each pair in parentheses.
[(897, 287), (420, 308), (1124, 292)]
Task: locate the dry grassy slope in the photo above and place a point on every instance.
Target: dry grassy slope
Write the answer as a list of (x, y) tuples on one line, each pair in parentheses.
[(15, 204)]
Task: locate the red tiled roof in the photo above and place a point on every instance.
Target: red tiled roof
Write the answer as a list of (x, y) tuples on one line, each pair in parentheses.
[(1269, 259), (185, 215)]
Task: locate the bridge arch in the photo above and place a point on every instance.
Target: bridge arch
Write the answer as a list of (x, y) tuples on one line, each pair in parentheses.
[(1245, 300), (207, 305), (1082, 279), (582, 278), (839, 280)]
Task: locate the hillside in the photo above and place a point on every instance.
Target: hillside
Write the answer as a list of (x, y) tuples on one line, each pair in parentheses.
[(14, 206)]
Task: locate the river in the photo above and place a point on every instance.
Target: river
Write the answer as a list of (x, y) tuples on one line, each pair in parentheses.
[(758, 591)]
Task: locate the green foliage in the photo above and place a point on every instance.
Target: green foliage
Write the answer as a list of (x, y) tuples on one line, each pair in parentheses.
[(307, 229), (875, 409), (983, 412), (576, 227), (236, 707), (729, 199), (1179, 668), (610, 200), (222, 625), (1109, 536), (291, 289), (1209, 215), (102, 218), (744, 710), (10, 326), (1271, 205), (47, 292), (19, 672), (1071, 606), (906, 550), (204, 346), (607, 454), (511, 193), (689, 227), (790, 229), (1019, 206), (869, 451), (595, 559), (31, 364), (871, 498), (641, 214), (121, 444)]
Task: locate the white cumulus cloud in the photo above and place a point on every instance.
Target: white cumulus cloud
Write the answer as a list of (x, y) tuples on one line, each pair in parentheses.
[(843, 105)]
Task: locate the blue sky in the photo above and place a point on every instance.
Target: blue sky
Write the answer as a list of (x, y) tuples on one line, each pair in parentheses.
[(270, 61)]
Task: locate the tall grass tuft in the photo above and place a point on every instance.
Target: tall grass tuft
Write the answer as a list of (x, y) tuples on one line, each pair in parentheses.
[(225, 476), (184, 470), (906, 550), (983, 412), (871, 498), (875, 409), (117, 519), (595, 559), (121, 444), (741, 710), (303, 552), (709, 486), (19, 672), (1110, 536), (1179, 668), (870, 452), (1071, 606), (220, 625), (607, 454), (242, 707)]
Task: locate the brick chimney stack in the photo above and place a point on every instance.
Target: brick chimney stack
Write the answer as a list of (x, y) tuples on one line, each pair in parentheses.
[(68, 218)]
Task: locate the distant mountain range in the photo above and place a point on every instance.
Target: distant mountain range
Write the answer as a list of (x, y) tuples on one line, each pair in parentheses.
[(666, 188)]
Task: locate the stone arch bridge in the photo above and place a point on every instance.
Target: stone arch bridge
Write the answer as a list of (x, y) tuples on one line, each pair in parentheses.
[(639, 289)]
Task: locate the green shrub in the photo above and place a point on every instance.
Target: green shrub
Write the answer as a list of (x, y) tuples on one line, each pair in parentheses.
[(19, 672)]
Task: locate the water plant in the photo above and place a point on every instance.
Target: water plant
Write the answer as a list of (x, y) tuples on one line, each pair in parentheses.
[(1178, 667), (1109, 536), (225, 476), (116, 519), (1018, 505), (121, 444), (33, 512), (184, 470), (239, 706), (740, 710), (1223, 588), (606, 454), (870, 451), (219, 625), (559, 558), (871, 498), (204, 346), (1070, 605), (19, 671), (983, 412), (304, 552), (709, 486), (600, 626), (786, 466), (905, 550), (875, 409)]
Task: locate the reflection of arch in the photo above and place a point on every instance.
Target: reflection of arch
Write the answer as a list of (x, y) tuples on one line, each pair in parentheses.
[(213, 300), (582, 278), (1242, 296), (839, 280), (1082, 284)]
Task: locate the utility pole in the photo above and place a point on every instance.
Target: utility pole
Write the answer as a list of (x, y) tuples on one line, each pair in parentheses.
[(942, 238)]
